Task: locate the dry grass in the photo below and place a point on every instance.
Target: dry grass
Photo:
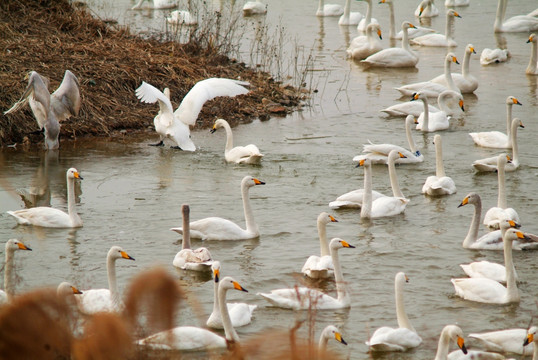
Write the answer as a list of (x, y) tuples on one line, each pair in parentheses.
[(50, 36)]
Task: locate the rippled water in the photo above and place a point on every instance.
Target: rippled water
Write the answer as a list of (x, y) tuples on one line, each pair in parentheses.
[(131, 193)]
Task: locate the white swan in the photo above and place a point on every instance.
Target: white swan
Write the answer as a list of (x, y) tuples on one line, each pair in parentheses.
[(66, 289), (402, 338), (532, 68), (439, 184), (216, 228), (155, 4), (367, 20), (349, 17), (505, 341), (249, 154), (449, 333), (240, 313), (451, 102), (411, 33), (465, 82), (444, 40), (496, 139), (379, 153), (395, 57), (303, 298), (490, 291), (49, 109), (188, 259), (365, 45), (254, 8), (320, 267), (181, 17), (493, 56), (195, 338), (50, 217), (11, 246), (490, 164), (329, 9), (457, 3), (386, 205), (532, 338), (175, 125), (109, 300), (430, 122), (330, 332), (519, 23), (432, 89), (426, 8)]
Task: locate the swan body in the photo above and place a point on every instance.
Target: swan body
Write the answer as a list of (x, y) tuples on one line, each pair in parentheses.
[(379, 153), (457, 3), (11, 246), (496, 139), (155, 4), (363, 46), (181, 17), (174, 125), (490, 291), (353, 199), (329, 9), (249, 154), (254, 8), (430, 122), (188, 259), (215, 228), (439, 184), (50, 109), (386, 205), (411, 33), (519, 23), (367, 19), (328, 333), (450, 333), (485, 269), (240, 313), (97, 300), (493, 56), (532, 68), (45, 216), (440, 40), (320, 267), (490, 164), (302, 298), (349, 17), (426, 8), (504, 341), (402, 338), (395, 57), (451, 102), (465, 82), (194, 338)]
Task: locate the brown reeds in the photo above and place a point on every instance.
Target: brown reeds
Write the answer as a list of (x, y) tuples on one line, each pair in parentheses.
[(50, 36)]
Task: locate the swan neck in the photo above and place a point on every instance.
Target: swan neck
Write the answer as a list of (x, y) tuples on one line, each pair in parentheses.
[(513, 138), (410, 140), (531, 69), (71, 209), (323, 340), (392, 29), (341, 290), (323, 243), (401, 315), (443, 346), (216, 308), (229, 331), (347, 9), (511, 285), (509, 118), (249, 216), (449, 27), (472, 235), (465, 65), (439, 168), (448, 76), (405, 39), (112, 282), (501, 199), (320, 6), (186, 244), (396, 192), (499, 16), (366, 208), (426, 119), (368, 17), (8, 274), (229, 136)]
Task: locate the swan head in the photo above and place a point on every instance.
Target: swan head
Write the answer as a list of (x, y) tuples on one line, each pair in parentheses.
[(385, 2), (532, 38), (364, 162), (406, 25), (401, 277), (531, 335), (374, 28), (452, 12), (519, 123), (451, 57), (470, 49), (185, 210), (116, 252), (73, 173), (251, 181), (66, 289), (455, 334), (471, 198), (228, 283), (395, 154), (338, 243), (14, 244), (215, 267), (218, 124), (326, 218), (512, 101), (507, 223), (332, 332), (416, 96), (514, 234)]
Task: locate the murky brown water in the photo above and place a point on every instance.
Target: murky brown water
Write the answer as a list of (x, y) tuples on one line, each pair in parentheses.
[(131, 193)]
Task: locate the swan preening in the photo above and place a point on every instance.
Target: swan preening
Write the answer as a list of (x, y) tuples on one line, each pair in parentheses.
[(443, 40), (249, 154), (303, 298), (188, 259), (329, 9), (496, 139), (532, 68), (493, 56), (411, 33), (513, 341), (320, 267), (240, 313), (519, 23), (395, 57), (195, 338), (402, 338), (175, 125), (97, 300), (439, 184), (11, 246), (465, 82), (50, 217), (365, 45), (449, 101), (50, 109), (449, 333), (216, 228)]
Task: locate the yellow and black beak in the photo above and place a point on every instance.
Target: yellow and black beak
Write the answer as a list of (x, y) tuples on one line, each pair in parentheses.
[(461, 344), (531, 38), (528, 339), (406, 279), (346, 244), (75, 290), (339, 338), (332, 218), (413, 26), (415, 96), (216, 274), (258, 182), (456, 14), (126, 256), (421, 11), (514, 224), (213, 129), (464, 202), (23, 247), (521, 235), (472, 50), (455, 60), (379, 34), (361, 163), (516, 102), (402, 156), (239, 287), (461, 105), (77, 175)]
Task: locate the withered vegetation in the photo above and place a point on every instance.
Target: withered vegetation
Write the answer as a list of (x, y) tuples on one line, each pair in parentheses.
[(50, 36)]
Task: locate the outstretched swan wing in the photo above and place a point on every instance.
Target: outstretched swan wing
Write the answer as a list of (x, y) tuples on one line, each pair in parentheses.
[(38, 86), (150, 94)]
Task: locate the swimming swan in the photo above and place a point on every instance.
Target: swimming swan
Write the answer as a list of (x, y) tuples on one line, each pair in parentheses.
[(349, 17), (493, 56), (320, 267), (155, 4), (465, 82), (367, 19), (175, 125), (443, 40), (426, 8), (457, 3), (439, 184), (188, 259), (395, 57), (365, 45), (50, 217), (249, 154), (449, 101), (428, 121), (532, 338), (240, 313), (50, 109), (195, 338), (329, 9), (181, 17), (449, 333), (532, 68), (254, 8), (216, 228), (109, 300), (303, 298), (496, 139), (402, 338), (519, 23), (490, 291), (411, 33), (11, 246), (505, 341)]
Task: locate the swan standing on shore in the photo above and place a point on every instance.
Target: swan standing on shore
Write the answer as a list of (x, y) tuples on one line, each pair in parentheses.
[(49, 109), (329, 9), (449, 333), (303, 298), (395, 57), (443, 40), (175, 125), (109, 300), (50, 217), (439, 184), (11, 246), (532, 68), (249, 154), (320, 267), (216, 228), (451, 102), (402, 338), (365, 45), (465, 82), (519, 23), (411, 33), (187, 259), (349, 17)]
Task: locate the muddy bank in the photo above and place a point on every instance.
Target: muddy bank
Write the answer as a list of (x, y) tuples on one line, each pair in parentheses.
[(110, 62)]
